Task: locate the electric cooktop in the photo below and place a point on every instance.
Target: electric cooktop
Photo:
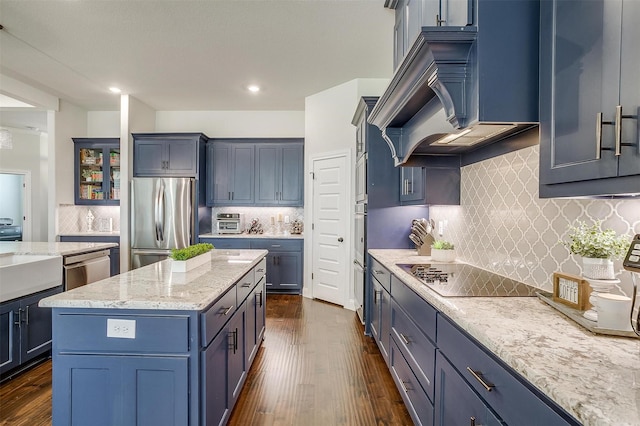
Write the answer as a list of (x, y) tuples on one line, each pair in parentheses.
[(462, 280)]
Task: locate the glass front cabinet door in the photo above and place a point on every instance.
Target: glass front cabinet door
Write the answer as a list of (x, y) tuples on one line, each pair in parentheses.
[(97, 171)]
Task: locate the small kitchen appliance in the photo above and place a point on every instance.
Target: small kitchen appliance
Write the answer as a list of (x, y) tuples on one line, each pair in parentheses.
[(9, 231), (462, 280), (229, 223)]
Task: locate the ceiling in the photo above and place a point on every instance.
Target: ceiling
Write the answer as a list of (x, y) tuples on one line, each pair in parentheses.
[(194, 55)]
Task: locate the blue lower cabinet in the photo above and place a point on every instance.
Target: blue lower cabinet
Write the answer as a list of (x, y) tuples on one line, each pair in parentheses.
[(228, 243), (116, 390), (456, 402), (255, 317), (418, 404), (380, 316), (284, 264)]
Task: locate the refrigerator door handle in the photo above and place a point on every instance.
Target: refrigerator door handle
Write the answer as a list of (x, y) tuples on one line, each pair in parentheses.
[(162, 208), (156, 214)]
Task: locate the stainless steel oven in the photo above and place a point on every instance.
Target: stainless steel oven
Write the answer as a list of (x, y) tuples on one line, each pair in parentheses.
[(82, 269)]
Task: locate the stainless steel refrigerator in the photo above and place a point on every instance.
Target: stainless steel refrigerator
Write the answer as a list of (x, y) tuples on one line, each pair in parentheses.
[(163, 217)]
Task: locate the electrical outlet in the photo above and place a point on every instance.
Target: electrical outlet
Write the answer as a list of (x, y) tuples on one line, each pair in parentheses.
[(440, 227), (121, 329)]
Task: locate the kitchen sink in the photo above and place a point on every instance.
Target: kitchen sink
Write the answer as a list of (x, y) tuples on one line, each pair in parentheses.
[(23, 274)]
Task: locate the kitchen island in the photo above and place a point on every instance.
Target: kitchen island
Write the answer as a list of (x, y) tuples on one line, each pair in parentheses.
[(52, 248), (591, 377), (154, 347)]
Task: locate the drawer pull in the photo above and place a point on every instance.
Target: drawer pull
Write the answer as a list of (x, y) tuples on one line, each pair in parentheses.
[(227, 310), (478, 376), (404, 339), (246, 285), (260, 270), (405, 386), (275, 245), (378, 272)]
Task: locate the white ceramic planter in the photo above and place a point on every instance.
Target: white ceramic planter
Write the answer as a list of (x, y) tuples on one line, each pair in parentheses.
[(189, 264), (438, 255), (599, 269)]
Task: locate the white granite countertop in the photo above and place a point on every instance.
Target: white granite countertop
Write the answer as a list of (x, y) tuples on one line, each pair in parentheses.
[(155, 287), (52, 248), (245, 235), (591, 376)]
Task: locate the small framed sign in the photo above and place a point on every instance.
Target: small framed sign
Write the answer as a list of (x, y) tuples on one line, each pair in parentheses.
[(571, 290)]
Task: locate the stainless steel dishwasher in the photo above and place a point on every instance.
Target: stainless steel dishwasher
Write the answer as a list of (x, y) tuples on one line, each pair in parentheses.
[(85, 268)]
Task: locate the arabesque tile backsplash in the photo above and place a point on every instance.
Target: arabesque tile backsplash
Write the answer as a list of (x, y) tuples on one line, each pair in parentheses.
[(501, 224)]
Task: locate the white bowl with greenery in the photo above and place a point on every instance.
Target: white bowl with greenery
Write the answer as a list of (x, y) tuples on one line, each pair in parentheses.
[(443, 251), (597, 248)]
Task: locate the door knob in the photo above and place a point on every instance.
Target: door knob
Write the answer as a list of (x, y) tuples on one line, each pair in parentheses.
[(340, 239)]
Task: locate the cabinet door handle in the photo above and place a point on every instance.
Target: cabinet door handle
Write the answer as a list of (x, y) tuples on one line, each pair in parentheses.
[(259, 295), (478, 376), (18, 317), (26, 312), (618, 129), (232, 195), (404, 339), (473, 421), (229, 195), (227, 310), (235, 341), (405, 386), (439, 21), (375, 296)]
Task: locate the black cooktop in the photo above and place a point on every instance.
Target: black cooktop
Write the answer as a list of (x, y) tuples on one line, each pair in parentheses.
[(462, 280)]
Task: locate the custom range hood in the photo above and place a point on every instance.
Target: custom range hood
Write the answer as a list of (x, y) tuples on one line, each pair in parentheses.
[(459, 90)]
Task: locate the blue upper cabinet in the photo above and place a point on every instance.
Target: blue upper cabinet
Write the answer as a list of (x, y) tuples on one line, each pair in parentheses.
[(175, 154), (279, 174), (255, 172), (97, 171), (589, 97), (230, 170)]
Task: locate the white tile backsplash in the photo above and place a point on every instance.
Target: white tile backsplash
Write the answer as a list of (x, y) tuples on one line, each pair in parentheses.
[(72, 218), (263, 214), (501, 224)]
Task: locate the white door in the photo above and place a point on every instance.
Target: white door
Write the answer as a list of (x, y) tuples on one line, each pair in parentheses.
[(330, 247)]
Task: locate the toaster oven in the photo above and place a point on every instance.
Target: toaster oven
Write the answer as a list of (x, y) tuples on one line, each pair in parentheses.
[(229, 223)]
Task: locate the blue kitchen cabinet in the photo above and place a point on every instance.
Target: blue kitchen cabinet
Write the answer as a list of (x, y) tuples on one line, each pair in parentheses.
[(26, 330), (230, 171), (256, 318), (228, 243), (589, 98), (114, 252), (380, 312), (279, 174), (284, 264), (412, 15), (236, 367), (412, 182), (457, 403), (168, 154), (97, 171), (116, 390)]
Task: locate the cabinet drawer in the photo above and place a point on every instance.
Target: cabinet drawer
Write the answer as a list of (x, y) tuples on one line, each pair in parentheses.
[(419, 406), (514, 402), (244, 286), (82, 333), (227, 243), (260, 270), (419, 310), (214, 318), (418, 351), (381, 274), (277, 245)]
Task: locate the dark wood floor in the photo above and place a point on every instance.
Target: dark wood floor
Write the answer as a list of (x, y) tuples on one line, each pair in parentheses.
[(315, 368)]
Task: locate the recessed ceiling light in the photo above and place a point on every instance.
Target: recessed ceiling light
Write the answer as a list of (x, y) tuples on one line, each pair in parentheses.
[(114, 90), (253, 88)]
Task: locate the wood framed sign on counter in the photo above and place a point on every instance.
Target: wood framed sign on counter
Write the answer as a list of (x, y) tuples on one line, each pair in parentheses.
[(571, 290)]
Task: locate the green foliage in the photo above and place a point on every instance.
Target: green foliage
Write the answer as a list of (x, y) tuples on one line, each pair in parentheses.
[(191, 251), (591, 241), (442, 245)]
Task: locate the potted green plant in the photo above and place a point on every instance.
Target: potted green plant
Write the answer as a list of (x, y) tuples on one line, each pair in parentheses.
[(597, 248), (187, 258), (443, 251)]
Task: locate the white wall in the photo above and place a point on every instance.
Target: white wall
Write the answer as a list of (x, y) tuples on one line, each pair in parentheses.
[(29, 154), (328, 128), (103, 124), (233, 124)]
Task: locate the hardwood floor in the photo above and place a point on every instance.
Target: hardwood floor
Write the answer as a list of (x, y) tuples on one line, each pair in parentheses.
[(315, 367)]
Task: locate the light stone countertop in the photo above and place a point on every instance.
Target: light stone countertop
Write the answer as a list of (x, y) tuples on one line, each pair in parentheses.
[(155, 287), (245, 235), (91, 234), (591, 376), (51, 248)]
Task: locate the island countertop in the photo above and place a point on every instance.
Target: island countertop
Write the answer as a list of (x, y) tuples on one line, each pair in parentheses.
[(51, 248), (591, 376), (156, 287)]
